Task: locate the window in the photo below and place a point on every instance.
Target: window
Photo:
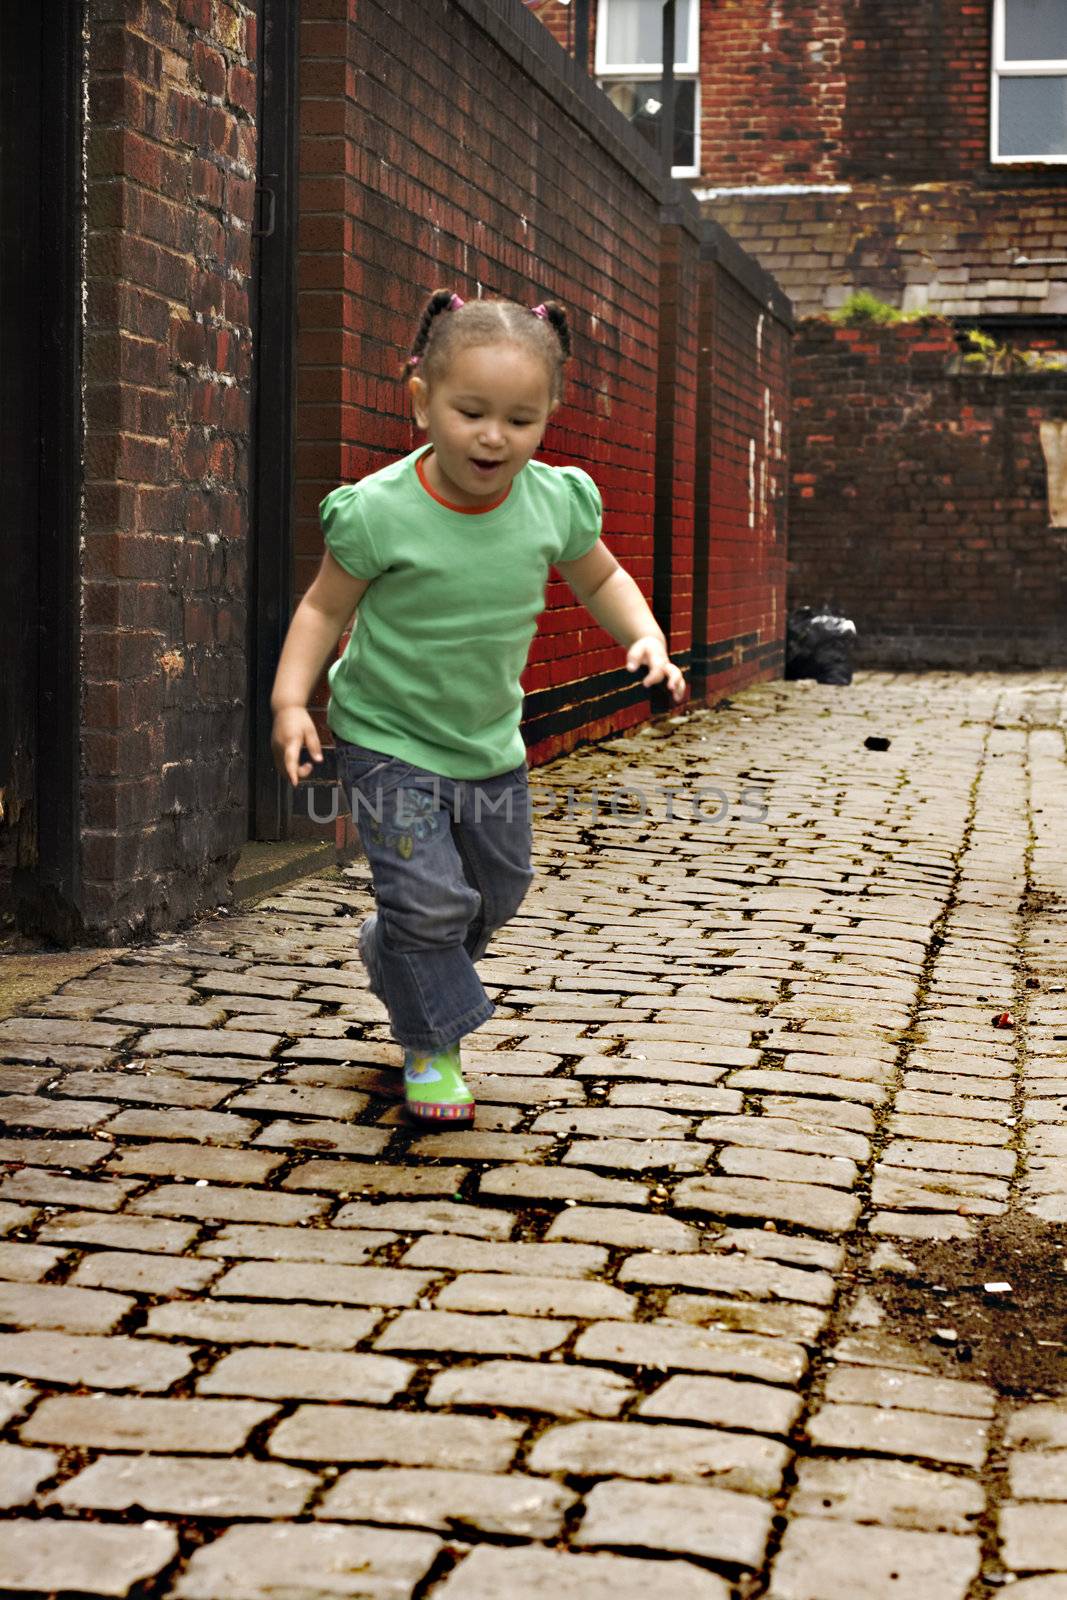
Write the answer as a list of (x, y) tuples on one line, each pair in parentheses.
[(1030, 80), (629, 44)]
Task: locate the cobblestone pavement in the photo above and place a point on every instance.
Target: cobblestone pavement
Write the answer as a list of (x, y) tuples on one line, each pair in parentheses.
[(630, 1335)]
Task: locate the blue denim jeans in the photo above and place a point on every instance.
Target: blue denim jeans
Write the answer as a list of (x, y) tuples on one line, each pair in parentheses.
[(450, 859)]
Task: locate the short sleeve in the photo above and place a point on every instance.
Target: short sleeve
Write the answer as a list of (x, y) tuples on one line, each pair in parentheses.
[(347, 536), (587, 514)]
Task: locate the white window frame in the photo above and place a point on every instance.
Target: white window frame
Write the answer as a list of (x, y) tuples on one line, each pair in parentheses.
[(1016, 69), (641, 72), (640, 69)]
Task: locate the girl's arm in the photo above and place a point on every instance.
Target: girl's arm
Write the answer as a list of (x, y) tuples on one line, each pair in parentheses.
[(613, 599), (317, 624)]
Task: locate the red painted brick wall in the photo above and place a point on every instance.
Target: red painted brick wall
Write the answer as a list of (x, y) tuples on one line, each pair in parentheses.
[(746, 483), (676, 410), (461, 166), (171, 174), (919, 502), (524, 190)]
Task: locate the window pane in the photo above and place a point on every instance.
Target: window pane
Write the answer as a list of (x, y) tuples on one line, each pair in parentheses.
[(634, 34), (1035, 30), (641, 103), (1033, 116)]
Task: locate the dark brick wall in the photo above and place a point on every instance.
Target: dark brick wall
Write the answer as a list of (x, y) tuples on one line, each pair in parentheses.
[(919, 499), (171, 177), (918, 87)]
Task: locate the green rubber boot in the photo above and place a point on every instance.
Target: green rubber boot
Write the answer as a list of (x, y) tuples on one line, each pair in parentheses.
[(434, 1090)]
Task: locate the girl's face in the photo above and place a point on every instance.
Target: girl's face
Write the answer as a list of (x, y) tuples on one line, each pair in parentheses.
[(485, 418)]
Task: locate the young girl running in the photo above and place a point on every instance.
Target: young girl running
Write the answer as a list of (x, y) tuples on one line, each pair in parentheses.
[(444, 556)]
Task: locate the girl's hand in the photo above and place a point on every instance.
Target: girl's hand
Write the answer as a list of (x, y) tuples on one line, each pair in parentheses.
[(651, 652), (293, 729)]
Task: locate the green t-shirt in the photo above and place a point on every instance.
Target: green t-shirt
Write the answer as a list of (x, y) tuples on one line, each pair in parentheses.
[(431, 672)]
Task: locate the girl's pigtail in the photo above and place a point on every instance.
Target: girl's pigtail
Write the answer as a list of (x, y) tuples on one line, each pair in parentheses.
[(557, 316), (440, 300)]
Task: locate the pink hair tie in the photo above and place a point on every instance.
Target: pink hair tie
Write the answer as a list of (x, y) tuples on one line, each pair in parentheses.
[(540, 311), (414, 361), (455, 303)]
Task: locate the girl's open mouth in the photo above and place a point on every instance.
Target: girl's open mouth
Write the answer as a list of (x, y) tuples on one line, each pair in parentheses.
[(485, 467)]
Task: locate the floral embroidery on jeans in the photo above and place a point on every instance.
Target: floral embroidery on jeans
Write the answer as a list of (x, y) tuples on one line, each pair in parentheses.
[(418, 810), (415, 814)]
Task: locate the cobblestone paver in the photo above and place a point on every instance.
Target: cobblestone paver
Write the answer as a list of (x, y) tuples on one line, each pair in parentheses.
[(624, 1337)]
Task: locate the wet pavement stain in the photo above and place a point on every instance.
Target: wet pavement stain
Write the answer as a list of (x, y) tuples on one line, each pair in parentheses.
[(1014, 1339)]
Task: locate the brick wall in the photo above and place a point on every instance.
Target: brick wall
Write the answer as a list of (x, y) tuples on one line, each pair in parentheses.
[(918, 86), (828, 90), (676, 431), (740, 587), (892, 119), (558, 18), (822, 90), (873, 97), (919, 500), (901, 92), (490, 161), (533, 187), (772, 97), (472, 166), (772, 94), (171, 175)]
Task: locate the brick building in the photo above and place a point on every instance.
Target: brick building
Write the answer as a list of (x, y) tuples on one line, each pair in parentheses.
[(917, 150), (221, 219)]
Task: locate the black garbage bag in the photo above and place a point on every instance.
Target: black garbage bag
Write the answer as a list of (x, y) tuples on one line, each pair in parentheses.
[(818, 644)]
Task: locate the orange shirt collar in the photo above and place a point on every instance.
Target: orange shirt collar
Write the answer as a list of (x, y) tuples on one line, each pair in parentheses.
[(467, 511)]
